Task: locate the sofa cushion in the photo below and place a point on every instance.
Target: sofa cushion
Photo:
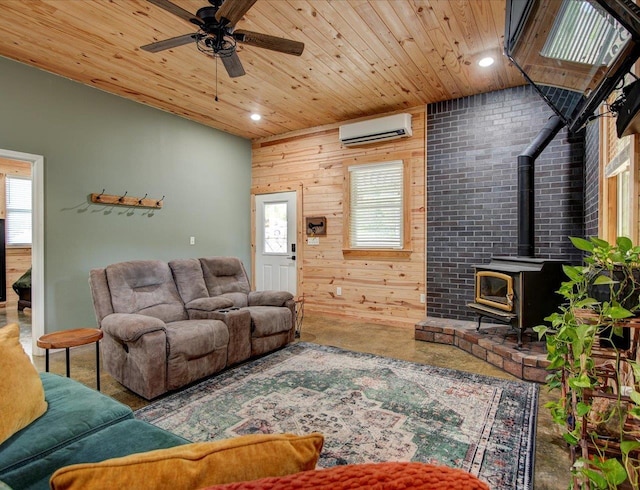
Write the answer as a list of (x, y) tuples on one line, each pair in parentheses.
[(198, 464), (21, 394), (195, 338), (224, 275), (269, 320), (391, 475), (209, 304), (118, 440), (239, 300), (145, 287), (189, 280), (74, 412)]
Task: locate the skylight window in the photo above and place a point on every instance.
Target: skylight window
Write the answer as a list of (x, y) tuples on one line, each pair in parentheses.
[(584, 34)]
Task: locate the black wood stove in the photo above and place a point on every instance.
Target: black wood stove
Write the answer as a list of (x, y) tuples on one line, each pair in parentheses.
[(519, 291)]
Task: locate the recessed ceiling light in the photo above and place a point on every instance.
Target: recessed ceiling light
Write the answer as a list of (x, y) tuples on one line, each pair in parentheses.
[(484, 62), (256, 117)]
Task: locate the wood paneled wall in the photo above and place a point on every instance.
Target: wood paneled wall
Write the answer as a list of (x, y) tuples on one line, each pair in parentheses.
[(312, 162), (18, 258)]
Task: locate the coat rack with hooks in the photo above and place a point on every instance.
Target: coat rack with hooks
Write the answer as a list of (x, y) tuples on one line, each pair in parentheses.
[(126, 200)]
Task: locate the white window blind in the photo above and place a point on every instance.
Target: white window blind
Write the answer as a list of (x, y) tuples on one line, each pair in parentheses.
[(376, 205), (18, 223)]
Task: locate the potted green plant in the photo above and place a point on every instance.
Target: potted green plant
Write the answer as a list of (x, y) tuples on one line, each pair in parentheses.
[(593, 364)]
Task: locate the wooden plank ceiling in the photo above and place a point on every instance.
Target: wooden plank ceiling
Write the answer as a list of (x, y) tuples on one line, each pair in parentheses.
[(361, 57)]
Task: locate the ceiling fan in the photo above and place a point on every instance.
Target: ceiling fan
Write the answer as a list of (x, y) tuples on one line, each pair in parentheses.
[(217, 36)]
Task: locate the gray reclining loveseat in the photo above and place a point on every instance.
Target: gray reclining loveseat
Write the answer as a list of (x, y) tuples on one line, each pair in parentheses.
[(169, 324)]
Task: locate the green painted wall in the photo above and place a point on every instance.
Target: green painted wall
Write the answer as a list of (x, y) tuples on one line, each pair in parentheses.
[(91, 141)]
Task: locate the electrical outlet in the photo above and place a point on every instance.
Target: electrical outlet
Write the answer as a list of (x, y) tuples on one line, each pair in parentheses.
[(192, 240), (423, 298), (338, 291), (313, 240)]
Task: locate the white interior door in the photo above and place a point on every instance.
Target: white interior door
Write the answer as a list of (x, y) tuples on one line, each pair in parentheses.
[(276, 247)]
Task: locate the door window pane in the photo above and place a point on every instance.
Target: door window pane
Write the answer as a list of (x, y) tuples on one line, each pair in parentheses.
[(275, 228)]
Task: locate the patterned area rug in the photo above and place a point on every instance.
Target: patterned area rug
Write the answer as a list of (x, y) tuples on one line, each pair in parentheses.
[(369, 408)]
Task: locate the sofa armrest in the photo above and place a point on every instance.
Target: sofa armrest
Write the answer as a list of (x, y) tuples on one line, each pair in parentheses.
[(129, 327), (209, 304), (269, 298)]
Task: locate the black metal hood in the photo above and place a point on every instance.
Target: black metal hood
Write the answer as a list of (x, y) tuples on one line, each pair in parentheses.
[(573, 52)]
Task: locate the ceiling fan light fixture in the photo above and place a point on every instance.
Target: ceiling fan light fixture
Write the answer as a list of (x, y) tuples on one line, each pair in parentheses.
[(217, 35), (220, 46), (255, 116), (486, 61)]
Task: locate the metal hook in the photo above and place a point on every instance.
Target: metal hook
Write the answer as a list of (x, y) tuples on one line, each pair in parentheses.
[(158, 202), (142, 199), (122, 197), (99, 195)]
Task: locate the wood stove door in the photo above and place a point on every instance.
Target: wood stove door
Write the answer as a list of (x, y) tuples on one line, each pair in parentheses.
[(494, 289)]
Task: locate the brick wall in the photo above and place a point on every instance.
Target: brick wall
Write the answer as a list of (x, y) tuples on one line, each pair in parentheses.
[(472, 149), (591, 179)]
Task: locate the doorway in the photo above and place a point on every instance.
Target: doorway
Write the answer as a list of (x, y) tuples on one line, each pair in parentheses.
[(37, 245), (276, 242)]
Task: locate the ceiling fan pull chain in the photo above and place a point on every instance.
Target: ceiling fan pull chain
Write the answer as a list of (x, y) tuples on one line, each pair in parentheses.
[(216, 97)]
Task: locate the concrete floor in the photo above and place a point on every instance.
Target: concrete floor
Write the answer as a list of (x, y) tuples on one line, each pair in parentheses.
[(552, 456)]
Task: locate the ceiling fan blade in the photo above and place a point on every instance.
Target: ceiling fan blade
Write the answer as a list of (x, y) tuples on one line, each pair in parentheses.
[(233, 10), (169, 43), (233, 66), (266, 41), (175, 10)]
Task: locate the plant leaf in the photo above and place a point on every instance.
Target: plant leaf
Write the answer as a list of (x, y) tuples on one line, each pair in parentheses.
[(628, 446), (625, 244), (601, 280), (582, 381), (596, 478), (617, 312), (582, 409), (582, 244), (573, 272), (541, 330), (599, 242), (616, 473), (570, 438), (586, 302)]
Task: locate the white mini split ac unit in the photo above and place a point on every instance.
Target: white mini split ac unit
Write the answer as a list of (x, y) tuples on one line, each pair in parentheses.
[(374, 130)]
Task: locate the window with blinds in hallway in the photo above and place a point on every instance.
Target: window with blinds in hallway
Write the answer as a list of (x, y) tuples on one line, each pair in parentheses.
[(18, 209)]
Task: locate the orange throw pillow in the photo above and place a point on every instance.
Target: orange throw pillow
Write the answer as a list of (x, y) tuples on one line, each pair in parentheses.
[(387, 476), (198, 464)]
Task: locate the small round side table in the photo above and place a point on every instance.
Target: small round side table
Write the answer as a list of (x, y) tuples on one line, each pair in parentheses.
[(66, 339)]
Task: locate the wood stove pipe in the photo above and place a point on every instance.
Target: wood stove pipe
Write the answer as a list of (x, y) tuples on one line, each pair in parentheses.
[(526, 162)]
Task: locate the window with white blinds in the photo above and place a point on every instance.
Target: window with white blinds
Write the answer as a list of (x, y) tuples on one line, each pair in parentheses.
[(376, 205), (18, 222)]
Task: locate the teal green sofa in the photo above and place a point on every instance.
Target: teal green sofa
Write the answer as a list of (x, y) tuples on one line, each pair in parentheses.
[(80, 426)]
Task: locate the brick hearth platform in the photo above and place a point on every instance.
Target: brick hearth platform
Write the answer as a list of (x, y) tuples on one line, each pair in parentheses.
[(496, 344)]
